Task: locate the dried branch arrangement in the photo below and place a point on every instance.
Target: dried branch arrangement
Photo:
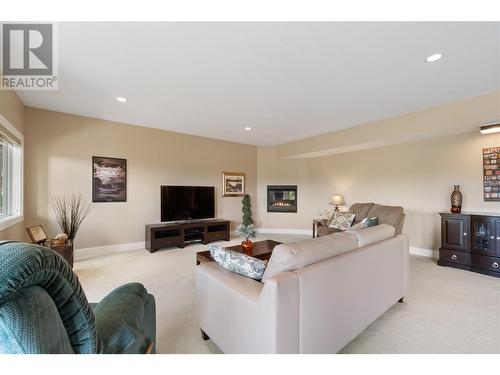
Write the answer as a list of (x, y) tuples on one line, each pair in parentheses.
[(70, 211)]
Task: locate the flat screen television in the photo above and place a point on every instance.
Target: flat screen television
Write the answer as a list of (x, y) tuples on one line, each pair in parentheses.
[(187, 202)]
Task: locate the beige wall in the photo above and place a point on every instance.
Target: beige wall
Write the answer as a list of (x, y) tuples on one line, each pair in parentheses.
[(13, 110), (417, 175), (271, 170), (59, 150)]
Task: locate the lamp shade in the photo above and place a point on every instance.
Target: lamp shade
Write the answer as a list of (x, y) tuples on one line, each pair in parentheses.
[(337, 200)]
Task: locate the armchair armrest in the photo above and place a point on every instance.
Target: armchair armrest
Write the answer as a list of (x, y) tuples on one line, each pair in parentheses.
[(126, 321)]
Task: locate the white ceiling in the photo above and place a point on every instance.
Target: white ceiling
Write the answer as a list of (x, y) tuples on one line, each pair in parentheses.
[(286, 80)]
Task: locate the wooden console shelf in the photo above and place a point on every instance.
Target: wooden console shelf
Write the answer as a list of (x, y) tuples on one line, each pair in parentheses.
[(160, 236)]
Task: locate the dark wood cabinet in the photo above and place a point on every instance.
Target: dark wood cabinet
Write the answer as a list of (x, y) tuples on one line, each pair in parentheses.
[(165, 235), (471, 242)]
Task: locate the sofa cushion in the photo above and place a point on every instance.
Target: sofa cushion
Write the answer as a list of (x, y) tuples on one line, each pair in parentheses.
[(360, 210), (359, 225), (342, 220), (295, 255), (366, 222), (324, 231), (369, 235), (237, 262), (390, 215)]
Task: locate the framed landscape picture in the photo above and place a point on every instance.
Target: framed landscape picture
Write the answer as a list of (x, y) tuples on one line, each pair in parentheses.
[(233, 184), (109, 179)]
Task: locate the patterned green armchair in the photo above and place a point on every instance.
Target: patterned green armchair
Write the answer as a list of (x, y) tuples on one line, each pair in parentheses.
[(43, 308)]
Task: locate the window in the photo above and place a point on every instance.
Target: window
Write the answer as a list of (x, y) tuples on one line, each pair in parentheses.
[(10, 175)]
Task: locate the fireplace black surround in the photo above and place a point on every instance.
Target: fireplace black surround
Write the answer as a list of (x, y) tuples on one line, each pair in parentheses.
[(282, 198)]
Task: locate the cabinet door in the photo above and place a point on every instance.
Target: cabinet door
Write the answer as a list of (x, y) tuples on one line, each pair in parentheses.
[(454, 233), (484, 235), (497, 234)]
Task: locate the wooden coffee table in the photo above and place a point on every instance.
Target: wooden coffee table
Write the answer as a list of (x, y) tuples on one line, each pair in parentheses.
[(261, 250)]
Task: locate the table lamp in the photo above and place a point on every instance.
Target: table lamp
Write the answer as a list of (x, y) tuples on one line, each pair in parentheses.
[(337, 200)]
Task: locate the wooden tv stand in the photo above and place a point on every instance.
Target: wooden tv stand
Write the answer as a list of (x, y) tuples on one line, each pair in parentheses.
[(160, 236)]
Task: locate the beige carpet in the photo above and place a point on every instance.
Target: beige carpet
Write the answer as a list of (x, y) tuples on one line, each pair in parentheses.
[(446, 310)]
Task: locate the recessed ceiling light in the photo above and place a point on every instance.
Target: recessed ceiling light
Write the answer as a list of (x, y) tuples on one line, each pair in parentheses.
[(435, 57), (121, 99), (248, 128)]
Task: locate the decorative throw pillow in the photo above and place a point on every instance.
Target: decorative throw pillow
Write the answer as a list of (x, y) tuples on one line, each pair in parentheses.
[(365, 223), (237, 262), (371, 221), (342, 220)]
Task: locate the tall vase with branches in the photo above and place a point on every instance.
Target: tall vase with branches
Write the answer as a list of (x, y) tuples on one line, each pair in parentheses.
[(70, 211)]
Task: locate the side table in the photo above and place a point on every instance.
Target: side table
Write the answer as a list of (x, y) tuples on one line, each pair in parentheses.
[(316, 222), (66, 251)]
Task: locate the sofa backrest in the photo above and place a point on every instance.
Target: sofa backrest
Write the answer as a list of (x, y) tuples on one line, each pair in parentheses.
[(294, 255), (370, 235), (391, 215), (58, 293), (360, 210)]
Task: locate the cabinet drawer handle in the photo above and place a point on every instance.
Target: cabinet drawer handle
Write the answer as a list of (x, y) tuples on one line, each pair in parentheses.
[(454, 257), (465, 234), (492, 237), (498, 238), (495, 265)]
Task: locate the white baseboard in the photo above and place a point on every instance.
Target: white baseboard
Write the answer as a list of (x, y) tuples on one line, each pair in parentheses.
[(307, 232), (424, 252), (91, 252)]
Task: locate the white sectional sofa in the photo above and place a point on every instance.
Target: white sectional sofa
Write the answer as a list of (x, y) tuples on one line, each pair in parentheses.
[(315, 296)]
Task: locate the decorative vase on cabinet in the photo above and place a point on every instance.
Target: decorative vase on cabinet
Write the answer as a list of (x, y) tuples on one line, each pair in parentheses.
[(456, 200)]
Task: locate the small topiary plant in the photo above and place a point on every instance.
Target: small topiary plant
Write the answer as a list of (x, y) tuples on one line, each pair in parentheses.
[(247, 211)]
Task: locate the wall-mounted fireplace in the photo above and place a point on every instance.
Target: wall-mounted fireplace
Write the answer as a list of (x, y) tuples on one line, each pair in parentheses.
[(282, 198)]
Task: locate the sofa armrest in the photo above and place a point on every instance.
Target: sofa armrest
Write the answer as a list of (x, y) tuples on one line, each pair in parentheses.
[(400, 224), (230, 282), (242, 315), (126, 321)]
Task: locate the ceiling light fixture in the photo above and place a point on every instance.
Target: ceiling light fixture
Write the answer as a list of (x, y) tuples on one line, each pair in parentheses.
[(435, 57), (121, 99), (490, 128), (248, 128)]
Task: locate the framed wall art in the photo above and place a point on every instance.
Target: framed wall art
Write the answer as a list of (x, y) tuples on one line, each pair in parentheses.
[(233, 184), (491, 174), (37, 234), (109, 179)]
